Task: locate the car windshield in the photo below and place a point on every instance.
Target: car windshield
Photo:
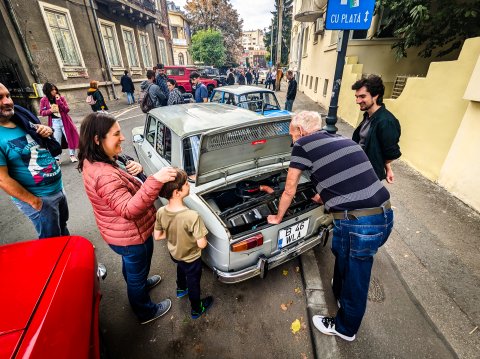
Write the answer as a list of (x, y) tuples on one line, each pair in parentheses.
[(191, 146), (255, 101)]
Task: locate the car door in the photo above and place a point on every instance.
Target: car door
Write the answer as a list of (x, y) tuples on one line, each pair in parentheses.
[(155, 151)]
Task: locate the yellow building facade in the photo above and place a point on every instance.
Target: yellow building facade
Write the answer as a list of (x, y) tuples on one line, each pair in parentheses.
[(181, 38)]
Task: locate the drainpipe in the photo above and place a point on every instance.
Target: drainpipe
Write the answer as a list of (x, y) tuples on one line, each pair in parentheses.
[(155, 40), (104, 52), (13, 18)]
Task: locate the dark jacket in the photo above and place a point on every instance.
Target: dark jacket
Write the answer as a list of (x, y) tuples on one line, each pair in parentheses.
[(382, 139), (155, 93), (161, 81), (231, 79), (241, 79), (97, 96), (127, 84), (292, 89)]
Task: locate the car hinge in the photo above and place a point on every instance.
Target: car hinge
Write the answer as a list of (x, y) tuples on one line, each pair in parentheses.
[(225, 175)]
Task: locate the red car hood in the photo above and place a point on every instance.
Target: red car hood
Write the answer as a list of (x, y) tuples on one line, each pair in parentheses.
[(19, 299)]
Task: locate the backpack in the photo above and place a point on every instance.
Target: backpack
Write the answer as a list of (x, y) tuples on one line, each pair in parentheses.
[(90, 100), (147, 103)]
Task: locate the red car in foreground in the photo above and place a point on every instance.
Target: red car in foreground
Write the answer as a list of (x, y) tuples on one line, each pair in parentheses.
[(49, 301)]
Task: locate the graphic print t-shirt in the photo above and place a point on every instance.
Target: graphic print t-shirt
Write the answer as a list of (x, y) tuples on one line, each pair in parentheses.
[(29, 164)]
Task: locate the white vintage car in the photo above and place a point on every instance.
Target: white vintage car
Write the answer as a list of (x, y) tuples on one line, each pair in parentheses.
[(228, 152)]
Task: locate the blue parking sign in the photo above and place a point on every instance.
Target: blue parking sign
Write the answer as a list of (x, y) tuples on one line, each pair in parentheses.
[(349, 14)]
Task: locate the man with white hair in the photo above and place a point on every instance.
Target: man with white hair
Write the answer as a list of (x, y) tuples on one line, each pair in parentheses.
[(359, 203)]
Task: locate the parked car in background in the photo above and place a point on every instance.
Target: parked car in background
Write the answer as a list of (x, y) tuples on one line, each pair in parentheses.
[(256, 99), (49, 306), (213, 73), (233, 157), (181, 74)]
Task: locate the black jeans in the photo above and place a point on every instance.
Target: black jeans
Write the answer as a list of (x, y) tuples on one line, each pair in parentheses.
[(188, 276)]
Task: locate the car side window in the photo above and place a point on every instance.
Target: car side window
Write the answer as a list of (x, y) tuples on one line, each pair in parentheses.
[(151, 128), (164, 142), (217, 97), (191, 147)]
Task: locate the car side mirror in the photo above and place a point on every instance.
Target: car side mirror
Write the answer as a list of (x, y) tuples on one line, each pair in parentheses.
[(138, 138)]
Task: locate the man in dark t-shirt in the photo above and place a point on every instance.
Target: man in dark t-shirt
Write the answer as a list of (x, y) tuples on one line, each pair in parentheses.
[(350, 190)]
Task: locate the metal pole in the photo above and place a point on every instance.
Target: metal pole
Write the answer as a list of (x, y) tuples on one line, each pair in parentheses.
[(331, 119), (279, 31), (271, 43)]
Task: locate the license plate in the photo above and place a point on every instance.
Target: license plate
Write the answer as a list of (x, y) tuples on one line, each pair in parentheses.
[(292, 234)]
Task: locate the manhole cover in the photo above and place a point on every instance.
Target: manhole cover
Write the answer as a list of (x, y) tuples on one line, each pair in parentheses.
[(375, 291)]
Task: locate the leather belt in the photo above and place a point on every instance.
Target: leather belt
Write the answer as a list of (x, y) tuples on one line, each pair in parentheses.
[(357, 213)]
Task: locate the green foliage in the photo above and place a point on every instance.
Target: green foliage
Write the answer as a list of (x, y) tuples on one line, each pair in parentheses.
[(286, 32), (437, 27), (207, 47)]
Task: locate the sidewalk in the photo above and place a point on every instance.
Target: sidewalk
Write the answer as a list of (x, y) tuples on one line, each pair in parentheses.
[(434, 250)]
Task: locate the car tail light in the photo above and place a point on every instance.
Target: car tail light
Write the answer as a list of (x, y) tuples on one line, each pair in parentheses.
[(249, 243)]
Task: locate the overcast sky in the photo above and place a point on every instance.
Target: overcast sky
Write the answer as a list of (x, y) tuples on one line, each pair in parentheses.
[(255, 13)]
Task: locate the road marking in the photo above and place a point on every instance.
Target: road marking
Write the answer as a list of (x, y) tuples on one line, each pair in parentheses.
[(125, 111), (127, 118)]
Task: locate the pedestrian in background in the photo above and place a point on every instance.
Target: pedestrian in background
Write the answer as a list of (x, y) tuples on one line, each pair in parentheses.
[(175, 97), (201, 91), (186, 235), (359, 204), (123, 207), (256, 75), (128, 87), (231, 78), (273, 79), (153, 90), (268, 79), (379, 132), (249, 77), (28, 170), (95, 98), (291, 91), (241, 78), (55, 107), (161, 79)]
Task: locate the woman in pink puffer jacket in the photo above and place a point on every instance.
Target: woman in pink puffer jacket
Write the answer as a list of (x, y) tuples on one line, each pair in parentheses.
[(123, 207)]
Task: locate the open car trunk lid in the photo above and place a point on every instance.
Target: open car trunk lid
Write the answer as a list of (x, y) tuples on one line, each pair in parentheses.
[(255, 144)]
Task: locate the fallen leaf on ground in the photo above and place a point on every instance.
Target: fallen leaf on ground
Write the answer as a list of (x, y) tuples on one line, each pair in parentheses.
[(285, 272), (296, 325), (297, 269), (304, 356), (298, 290), (283, 306)]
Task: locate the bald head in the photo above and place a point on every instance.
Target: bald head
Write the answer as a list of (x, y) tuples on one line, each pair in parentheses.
[(6, 104)]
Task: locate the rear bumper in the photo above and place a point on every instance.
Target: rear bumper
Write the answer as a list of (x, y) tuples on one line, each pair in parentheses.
[(264, 264)]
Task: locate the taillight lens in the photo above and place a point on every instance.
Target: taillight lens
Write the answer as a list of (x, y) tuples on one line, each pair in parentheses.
[(249, 243)]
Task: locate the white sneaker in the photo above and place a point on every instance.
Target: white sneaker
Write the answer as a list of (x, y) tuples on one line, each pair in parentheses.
[(327, 326)]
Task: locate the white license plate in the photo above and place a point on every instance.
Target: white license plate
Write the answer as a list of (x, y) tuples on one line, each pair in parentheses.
[(292, 234)]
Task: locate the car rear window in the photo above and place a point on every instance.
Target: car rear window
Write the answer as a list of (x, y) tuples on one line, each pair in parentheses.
[(175, 72)]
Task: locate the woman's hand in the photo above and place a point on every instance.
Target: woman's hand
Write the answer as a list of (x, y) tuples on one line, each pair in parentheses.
[(166, 174), (134, 168)]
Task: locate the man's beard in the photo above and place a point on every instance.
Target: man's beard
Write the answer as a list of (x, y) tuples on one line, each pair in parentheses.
[(6, 117)]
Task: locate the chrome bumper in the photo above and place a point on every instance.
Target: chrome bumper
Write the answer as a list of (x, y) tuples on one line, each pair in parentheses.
[(264, 264)]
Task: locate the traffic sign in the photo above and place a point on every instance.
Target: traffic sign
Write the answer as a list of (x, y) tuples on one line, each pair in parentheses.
[(349, 14)]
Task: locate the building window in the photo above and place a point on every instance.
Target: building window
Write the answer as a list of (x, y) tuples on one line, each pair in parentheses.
[(130, 46), (311, 80), (163, 51), (181, 60), (174, 32), (316, 85), (145, 49), (301, 81), (62, 34), (110, 40), (325, 88), (306, 34), (306, 81)]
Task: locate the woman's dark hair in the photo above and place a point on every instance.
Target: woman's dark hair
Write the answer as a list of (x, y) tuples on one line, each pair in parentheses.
[(374, 86), (173, 82), (94, 125), (176, 184), (47, 90)]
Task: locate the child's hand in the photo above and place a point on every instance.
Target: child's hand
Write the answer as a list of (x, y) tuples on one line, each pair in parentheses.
[(159, 235), (202, 242)]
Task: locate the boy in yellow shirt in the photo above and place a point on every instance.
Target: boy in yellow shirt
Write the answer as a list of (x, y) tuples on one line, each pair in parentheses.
[(186, 235)]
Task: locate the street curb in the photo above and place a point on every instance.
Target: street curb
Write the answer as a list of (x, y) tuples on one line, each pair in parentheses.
[(324, 346)]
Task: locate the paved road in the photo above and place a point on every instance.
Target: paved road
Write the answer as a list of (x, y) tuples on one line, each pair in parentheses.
[(246, 320)]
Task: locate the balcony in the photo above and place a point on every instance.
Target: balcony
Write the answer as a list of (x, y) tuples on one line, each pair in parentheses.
[(138, 11)]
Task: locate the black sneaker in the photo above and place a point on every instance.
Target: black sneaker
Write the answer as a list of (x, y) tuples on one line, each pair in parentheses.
[(162, 308), (182, 292), (153, 281), (327, 326), (204, 305)]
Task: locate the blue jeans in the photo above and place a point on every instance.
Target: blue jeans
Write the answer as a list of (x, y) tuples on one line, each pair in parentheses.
[(130, 98), (354, 244), (289, 105), (51, 220), (136, 261), (58, 131)]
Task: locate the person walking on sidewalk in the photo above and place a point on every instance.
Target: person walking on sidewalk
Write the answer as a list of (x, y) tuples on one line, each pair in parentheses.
[(123, 207), (28, 171), (379, 132), (56, 108), (291, 91), (128, 87), (95, 98), (359, 203)]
